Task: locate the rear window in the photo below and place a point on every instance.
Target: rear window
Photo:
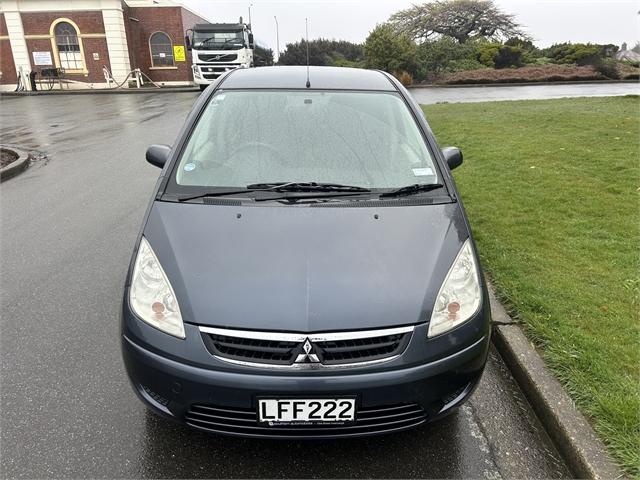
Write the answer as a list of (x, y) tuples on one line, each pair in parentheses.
[(368, 139)]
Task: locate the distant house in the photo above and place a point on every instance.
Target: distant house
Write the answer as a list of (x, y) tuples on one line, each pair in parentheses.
[(625, 55), (87, 38)]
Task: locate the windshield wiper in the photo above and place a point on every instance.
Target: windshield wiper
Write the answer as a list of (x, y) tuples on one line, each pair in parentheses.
[(227, 41), (294, 197), (411, 189), (306, 187), (280, 187), (214, 194)]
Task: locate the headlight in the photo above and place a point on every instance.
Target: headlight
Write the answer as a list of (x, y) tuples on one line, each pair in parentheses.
[(151, 296), (459, 295)]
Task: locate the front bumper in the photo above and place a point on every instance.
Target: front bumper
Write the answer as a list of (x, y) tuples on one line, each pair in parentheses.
[(223, 400), (208, 73)]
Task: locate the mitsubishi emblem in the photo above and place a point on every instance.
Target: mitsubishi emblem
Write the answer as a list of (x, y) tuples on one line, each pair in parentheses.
[(307, 356)]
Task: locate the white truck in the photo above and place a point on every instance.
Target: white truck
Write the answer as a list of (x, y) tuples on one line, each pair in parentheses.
[(217, 48)]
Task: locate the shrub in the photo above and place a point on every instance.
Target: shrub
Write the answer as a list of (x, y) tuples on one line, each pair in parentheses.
[(530, 53), (338, 60), (579, 53), (628, 72), (608, 68), (542, 61), (404, 77), (386, 50), (545, 73), (508, 57), (321, 52), (496, 55), (487, 53), (445, 55), (464, 64)]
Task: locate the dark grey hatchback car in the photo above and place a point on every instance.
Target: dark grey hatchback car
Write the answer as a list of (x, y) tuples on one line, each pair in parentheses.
[(305, 267)]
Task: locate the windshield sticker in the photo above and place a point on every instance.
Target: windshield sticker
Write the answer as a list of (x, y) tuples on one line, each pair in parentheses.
[(422, 172), (189, 167)]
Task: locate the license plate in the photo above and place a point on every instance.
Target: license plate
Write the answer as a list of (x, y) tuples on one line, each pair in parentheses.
[(277, 411)]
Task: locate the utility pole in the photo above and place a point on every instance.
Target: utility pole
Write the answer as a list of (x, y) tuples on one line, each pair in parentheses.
[(277, 37)]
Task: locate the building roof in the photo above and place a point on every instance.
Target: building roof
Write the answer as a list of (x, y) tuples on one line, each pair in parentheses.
[(162, 3), (628, 55), (152, 3), (295, 77)]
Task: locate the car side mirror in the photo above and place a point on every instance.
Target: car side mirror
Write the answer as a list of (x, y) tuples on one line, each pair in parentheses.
[(251, 43), (187, 42), (158, 155), (453, 156)]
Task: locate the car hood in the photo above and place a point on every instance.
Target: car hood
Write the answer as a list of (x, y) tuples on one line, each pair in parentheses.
[(305, 269)]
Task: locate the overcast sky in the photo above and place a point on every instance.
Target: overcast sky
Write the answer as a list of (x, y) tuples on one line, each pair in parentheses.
[(548, 21)]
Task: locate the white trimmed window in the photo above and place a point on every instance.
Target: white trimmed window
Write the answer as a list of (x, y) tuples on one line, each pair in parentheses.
[(161, 50), (68, 46)]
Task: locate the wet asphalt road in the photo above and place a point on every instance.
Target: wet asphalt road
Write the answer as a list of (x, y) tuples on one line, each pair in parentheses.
[(429, 95), (67, 229)]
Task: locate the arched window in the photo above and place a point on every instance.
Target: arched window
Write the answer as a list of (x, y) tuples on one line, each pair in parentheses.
[(161, 50), (68, 46)]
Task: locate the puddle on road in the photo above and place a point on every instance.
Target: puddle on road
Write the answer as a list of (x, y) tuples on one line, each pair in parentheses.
[(52, 126)]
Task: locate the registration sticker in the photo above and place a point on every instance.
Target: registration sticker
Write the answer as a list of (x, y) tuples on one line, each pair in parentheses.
[(189, 167), (422, 172)]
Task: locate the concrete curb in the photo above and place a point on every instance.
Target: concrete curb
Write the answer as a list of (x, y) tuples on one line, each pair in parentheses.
[(14, 168), (521, 84), (102, 91), (581, 449)]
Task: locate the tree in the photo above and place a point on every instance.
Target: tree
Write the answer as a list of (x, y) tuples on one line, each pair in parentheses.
[(385, 50), (445, 55), (460, 19), (262, 56), (322, 52)]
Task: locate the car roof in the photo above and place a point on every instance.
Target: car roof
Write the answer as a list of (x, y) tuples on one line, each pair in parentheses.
[(295, 77)]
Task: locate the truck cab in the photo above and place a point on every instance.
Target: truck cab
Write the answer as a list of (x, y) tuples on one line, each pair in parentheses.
[(217, 48)]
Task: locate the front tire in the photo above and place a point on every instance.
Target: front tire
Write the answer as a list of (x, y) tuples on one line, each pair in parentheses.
[(203, 87)]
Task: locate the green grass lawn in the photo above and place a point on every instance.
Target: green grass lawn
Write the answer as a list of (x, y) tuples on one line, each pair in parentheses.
[(551, 190)]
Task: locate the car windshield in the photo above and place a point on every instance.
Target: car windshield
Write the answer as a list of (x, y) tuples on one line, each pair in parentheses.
[(365, 139), (218, 40)]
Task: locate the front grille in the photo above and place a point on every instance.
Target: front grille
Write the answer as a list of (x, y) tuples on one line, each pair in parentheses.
[(369, 421), (292, 350), (362, 349), (218, 57), (251, 350)]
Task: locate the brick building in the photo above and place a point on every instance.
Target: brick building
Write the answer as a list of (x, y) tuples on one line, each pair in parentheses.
[(85, 38)]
